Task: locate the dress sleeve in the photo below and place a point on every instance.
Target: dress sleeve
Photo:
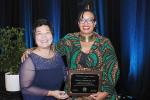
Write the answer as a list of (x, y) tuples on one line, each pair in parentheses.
[(27, 73), (64, 71), (63, 46), (111, 70)]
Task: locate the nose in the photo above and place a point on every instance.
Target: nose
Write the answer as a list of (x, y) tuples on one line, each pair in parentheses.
[(85, 22), (44, 35)]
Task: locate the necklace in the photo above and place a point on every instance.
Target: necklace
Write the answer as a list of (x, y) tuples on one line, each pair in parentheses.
[(87, 38)]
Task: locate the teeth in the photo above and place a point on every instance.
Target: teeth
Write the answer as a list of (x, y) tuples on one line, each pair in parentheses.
[(44, 41), (86, 27)]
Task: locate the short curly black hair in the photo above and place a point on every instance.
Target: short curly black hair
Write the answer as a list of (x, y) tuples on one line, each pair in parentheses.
[(81, 13), (41, 22)]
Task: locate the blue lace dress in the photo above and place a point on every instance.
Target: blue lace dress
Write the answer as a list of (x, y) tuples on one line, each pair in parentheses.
[(38, 75)]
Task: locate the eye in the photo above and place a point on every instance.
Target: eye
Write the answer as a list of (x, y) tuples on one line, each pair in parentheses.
[(38, 33), (48, 33), (82, 20), (89, 21)]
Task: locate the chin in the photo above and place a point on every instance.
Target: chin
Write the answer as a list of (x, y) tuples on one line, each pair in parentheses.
[(87, 33), (45, 47)]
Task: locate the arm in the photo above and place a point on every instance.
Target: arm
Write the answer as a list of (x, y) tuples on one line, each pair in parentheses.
[(110, 72), (27, 74)]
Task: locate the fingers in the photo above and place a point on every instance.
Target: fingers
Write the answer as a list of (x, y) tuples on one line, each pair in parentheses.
[(94, 96), (99, 96), (62, 92), (59, 94), (63, 96), (25, 55)]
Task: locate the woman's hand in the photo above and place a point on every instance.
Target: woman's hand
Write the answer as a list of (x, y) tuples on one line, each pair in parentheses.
[(99, 96), (25, 54), (58, 94)]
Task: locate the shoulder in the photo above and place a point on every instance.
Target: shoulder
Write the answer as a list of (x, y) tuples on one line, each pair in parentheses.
[(58, 57), (57, 54), (102, 38), (27, 61), (30, 58), (71, 35)]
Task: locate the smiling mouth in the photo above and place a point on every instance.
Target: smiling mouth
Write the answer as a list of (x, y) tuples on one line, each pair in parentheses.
[(44, 41), (86, 28)]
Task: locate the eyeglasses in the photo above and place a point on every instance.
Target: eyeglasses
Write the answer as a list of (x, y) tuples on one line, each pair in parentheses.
[(89, 21)]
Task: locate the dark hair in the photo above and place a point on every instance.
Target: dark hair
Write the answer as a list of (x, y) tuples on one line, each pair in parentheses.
[(81, 13), (41, 22)]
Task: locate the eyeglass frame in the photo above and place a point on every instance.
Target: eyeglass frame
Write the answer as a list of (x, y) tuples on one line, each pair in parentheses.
[(89, 21)]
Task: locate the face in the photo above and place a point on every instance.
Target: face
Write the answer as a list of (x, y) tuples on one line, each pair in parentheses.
[(43, 36), (86, 23)]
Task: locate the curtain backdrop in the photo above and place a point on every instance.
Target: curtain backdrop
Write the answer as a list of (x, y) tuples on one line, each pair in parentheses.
[(125, 22), (134, 34), (23, 13), (9, 13)]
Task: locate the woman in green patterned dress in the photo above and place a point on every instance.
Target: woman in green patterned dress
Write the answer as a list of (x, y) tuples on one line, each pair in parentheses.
[(88, 49)]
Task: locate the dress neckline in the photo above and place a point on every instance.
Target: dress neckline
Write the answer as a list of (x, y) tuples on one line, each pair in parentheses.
[(43, 57)]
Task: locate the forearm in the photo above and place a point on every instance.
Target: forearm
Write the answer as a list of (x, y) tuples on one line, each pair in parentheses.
[(50, 93), (57, 94), (35, 91)]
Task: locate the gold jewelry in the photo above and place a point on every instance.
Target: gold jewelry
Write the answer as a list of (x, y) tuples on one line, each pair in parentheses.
[(87, 38)]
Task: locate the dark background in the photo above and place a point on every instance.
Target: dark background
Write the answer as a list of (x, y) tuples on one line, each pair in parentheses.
[(125, 22)]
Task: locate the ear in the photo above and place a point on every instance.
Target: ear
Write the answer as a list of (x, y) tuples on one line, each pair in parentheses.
[(78, 23), (35, 42), (94, 23)]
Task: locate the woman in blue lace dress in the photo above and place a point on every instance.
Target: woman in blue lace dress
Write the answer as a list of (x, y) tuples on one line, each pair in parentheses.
[(43, 72)]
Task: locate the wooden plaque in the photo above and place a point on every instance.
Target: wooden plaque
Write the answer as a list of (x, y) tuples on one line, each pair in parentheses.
[(82, 82)]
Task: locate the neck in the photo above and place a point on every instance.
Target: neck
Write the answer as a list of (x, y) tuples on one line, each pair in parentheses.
[(44, 52), (90, 38)]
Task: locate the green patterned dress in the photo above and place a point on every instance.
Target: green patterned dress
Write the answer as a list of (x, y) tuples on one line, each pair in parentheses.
[(101, 56)]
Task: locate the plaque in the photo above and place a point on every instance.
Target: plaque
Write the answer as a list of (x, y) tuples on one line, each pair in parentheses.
[(83, 82)]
